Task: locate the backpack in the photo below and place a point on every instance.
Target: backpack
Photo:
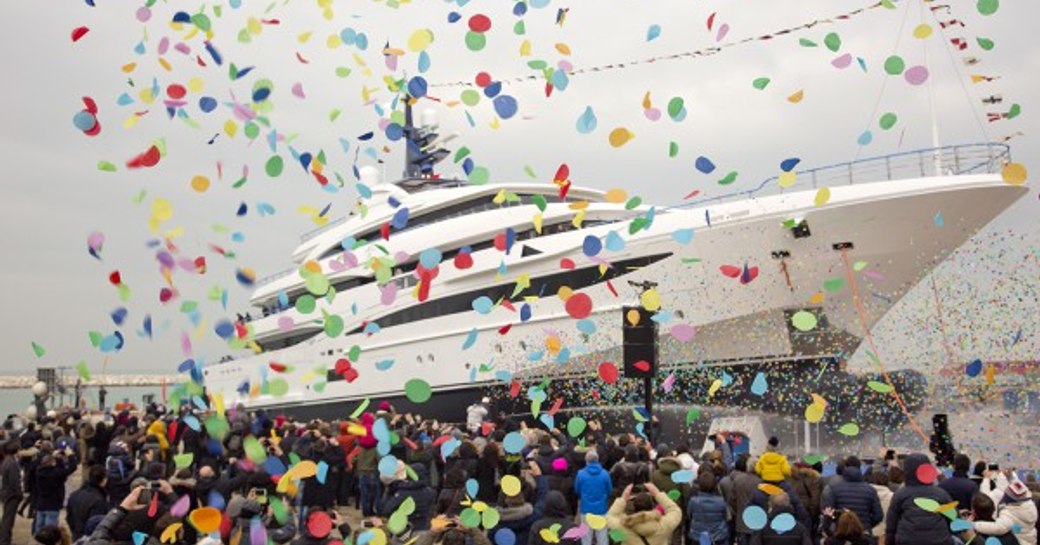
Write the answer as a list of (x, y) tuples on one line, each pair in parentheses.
[(115, 468)]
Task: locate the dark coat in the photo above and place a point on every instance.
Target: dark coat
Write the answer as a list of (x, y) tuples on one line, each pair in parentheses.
[(808, 484), (84, 503), (520, 520), (799, 535), (744, 486), (960, 488), (557, 511), (853, 493), (49, 485), (420, 492), (707, 513), (908, 524), (662, 479)]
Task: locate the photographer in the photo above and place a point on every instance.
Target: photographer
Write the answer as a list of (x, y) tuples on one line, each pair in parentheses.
[(449, 531)]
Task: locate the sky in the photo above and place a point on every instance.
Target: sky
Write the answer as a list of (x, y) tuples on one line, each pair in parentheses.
[(55, 196)]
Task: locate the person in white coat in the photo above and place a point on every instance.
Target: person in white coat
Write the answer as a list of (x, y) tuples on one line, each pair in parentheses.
[(1015, 512), (879, 482)]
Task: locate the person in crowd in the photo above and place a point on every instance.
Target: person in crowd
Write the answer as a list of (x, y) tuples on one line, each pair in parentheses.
[(476, 414), (808, 485), (978, 472), (879, 482), (1015, 512), (452, 532), (662, 479), (851, 492), (88, 501), (743, 488), (653, 518), (848, 530), (906, 523), (10, 490), (960, 487), (630, 471), (783, 527), (49, 486), (773, 466), (317, 529), (983, 510), (487, 473), (706, 513), (519, 512), (559, 515), (593, 486), (367, 469), (52, 535), (420, 492), (452, 493)]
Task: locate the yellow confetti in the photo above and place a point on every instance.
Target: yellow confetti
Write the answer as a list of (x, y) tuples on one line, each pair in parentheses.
[(714, 387), (787, 179), (200, 184), (564, 293), (230, 128), (196, 84), (253, 26), (165, 64), (1014, 173), (651, 300), (796, 97), (333, 41), (563, 48), (525, 48), (304, 37), (646, 101), (633, 317), (510, 485), (129, 67), (537, 222), (814, 413), (822, 196), (596, 522), (616, 196), (817, 298), (420, 40), (922, 31), (620, 136)]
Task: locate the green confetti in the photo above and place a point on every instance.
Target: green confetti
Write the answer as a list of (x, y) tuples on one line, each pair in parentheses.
[(274, 166), (417, 390), (834, 284), (673, 148), (469, 517), (985, 43), (832, 41), (575, 426), (849, 430), (888, 120), (880, 387), (729, 178), (894, 65), (305, 304), (106, 166), (360, 409), (342, 71), (489, 518), (760, 83), (39, 350), (988, 7), (333, 325), (806, 42), (692, 415)]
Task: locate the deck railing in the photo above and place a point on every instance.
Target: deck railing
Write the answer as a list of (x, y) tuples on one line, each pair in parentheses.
[(955, 160)]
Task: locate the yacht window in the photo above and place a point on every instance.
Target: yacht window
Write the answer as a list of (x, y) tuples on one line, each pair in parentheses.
[(288, 341), (542, 286)]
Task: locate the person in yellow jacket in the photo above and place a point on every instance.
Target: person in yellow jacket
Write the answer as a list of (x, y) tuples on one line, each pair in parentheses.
[(773, 466), (158, 429), (653, 519)]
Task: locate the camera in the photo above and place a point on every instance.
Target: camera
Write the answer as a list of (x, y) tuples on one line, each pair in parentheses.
[(994, 467), (154, 485)]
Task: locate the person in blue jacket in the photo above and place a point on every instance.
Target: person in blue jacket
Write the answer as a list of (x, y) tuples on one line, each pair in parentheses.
[(593, 487)]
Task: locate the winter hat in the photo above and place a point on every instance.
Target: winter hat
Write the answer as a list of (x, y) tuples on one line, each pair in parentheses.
[(774, 442), (384, 406), (559, 465), (1017, 491)]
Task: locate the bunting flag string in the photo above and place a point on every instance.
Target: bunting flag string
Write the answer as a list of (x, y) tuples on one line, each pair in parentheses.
[(704, 52)]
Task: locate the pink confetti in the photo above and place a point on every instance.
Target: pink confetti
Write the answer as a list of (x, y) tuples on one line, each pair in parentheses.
[(653, 114), (186, 344), (285, 323), (164, 45), (916, 75), (683, 332), (843, 61), (297, 90), (388, 294), (723, 30), (669, 383)]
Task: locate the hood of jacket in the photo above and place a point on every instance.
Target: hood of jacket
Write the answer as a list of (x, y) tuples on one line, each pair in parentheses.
[(804, 472), (852, 474), (422, 478), (910, 466), (556, 505), (668, 465), (644, 523), (593, 468), (515, 513)]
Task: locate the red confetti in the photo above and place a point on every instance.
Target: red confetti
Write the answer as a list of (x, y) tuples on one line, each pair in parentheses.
[(149, 158), (300, 58), (384, 231), (514, 388), (730, 271), (642, 366), (610, 286), (579, 306), (79, 32), (692, 194), (483, 79), (115, 278), (556, 406), (608, 372), (711, 20), (165, 295), (463, 260), (926, 473), (505, 329), (562, 173), (479, 23), (567, 263), (278, 367), (500, 242), (176, 91)]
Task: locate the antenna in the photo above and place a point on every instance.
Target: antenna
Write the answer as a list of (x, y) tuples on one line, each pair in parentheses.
[(422, 145)]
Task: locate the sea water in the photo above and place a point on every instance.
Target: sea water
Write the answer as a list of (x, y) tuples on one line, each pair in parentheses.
[(16, 400)]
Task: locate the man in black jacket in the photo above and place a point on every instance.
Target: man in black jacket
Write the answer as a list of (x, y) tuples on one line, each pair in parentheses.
[(960, 487), (10, 490), (907, 523), (88, 501), (851, 492)]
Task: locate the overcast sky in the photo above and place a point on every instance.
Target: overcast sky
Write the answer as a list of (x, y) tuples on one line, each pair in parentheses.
[(54, 196)]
